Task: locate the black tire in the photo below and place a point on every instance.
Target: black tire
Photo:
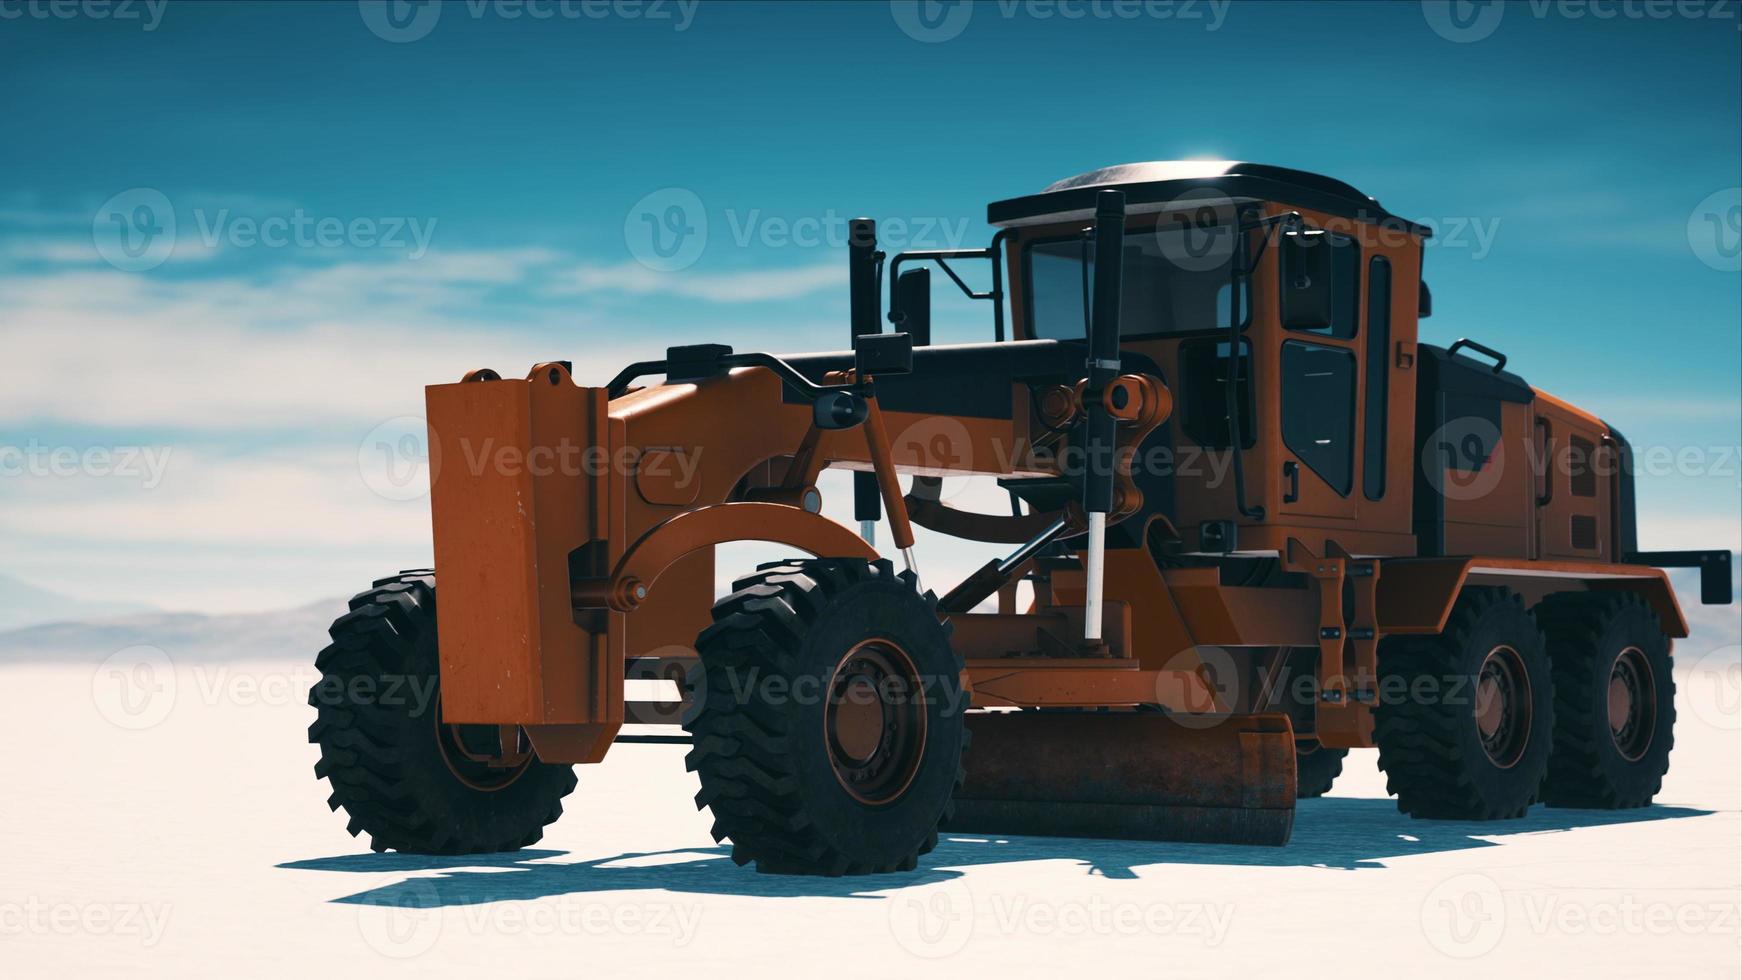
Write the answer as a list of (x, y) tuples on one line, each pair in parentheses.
[(770, 757), (385, 753), (1597, 640), (1316, 769), (1439, 697)]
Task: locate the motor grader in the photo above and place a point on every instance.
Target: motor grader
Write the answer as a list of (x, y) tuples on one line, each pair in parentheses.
[(1394, 545)]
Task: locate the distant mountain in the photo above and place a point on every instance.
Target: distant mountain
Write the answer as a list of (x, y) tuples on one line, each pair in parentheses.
[(298, 634), (293, 634), (23, 604)]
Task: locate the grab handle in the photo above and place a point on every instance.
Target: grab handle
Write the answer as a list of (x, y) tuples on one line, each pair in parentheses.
[(1499, 358)]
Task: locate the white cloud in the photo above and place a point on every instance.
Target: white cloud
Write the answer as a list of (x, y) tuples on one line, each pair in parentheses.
[(352, 342)]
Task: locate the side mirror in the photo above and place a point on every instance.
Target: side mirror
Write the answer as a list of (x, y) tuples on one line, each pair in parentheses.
[(1308, 286), (913, 299), (882, 353)]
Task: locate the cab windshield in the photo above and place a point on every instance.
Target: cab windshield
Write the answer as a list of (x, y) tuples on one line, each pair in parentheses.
[(1176, 281)]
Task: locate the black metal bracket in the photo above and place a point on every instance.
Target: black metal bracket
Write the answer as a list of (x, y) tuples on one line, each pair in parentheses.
[(942, 258), (696, 362), (1714, 566)]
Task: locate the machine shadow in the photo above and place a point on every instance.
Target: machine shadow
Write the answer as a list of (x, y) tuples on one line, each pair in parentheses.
[(1336, 833)]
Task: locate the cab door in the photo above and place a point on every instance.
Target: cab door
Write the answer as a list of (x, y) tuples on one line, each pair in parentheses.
[(1318, 364)]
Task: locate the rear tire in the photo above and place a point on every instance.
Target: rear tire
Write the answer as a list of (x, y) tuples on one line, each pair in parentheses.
[(392, 765), (826, 712), (1614, 700), (1465, 719), (1316, 769)]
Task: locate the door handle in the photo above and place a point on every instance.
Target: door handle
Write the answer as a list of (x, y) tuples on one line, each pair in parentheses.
[(1291, 473)]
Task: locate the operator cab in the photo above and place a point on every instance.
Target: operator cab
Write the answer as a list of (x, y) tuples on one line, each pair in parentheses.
[(1281, 307)]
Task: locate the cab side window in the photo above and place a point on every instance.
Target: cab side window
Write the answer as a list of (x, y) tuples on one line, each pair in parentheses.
[(1318, 410)]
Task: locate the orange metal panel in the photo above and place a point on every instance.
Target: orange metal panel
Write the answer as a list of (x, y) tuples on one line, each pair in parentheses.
[(512, 498), (1416, 594)]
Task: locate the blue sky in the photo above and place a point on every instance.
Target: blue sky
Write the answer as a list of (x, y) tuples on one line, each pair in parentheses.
[(488, 179)]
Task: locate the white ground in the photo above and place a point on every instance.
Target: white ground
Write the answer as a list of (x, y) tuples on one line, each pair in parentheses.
[(199, 845)]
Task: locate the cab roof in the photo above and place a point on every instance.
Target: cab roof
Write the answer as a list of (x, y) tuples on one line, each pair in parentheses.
[(1160, 184)]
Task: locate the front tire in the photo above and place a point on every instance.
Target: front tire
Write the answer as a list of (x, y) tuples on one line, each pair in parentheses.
[(1316, 769), (397, 771), (826, 712), (1465, 719), (1614, 700)]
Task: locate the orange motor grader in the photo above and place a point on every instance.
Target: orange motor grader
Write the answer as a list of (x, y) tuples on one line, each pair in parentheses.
[(1254, 523)]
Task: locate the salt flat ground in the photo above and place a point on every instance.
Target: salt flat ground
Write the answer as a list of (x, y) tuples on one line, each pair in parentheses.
[(169, 824)]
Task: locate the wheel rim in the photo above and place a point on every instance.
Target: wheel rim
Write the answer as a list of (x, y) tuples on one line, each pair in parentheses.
[(1503, 706), (467, 763), (1632, 704), (875, 722)]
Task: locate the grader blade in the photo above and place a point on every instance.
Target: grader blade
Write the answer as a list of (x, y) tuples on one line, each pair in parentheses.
[(1129, 776)]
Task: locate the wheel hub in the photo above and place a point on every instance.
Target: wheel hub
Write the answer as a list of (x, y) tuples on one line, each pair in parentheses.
[(1502, 709), (484, 757), (1632, 704), (875, 722)]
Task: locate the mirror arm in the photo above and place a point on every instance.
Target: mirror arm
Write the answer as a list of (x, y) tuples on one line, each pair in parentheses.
[(942, 256)]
